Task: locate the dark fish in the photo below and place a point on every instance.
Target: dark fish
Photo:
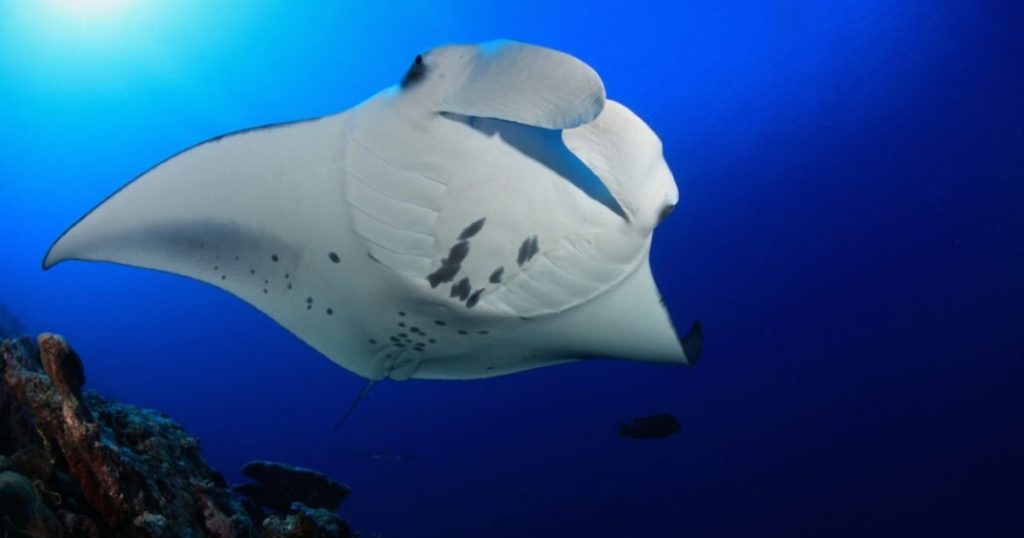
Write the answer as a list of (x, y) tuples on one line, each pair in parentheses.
[(652, 427)]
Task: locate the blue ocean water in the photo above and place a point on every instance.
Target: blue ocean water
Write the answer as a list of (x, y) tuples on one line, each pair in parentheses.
[(850, 232)]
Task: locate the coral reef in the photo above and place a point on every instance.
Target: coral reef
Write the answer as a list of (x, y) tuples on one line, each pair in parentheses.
[(75, 464), (278, 486)]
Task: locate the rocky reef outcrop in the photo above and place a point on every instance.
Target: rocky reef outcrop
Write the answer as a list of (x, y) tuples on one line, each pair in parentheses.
[(73, 463)]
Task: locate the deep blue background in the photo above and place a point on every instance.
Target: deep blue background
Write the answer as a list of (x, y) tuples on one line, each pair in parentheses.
[(850, 232)]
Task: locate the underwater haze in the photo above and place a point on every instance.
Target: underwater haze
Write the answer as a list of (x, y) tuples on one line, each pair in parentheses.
[(850, 232)]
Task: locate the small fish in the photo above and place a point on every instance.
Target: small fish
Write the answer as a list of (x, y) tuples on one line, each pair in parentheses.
[(652, 427)]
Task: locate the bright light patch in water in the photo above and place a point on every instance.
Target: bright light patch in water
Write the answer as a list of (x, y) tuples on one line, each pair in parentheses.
[(86, 9)]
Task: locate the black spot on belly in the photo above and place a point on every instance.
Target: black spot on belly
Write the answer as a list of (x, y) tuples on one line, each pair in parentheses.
[(330, 312), (401, 324), (473, 299), (432, 341), (439, 322), (450, 265), (252, 271), (527, 250), (223, 277), (461, 289), (496, 275), (461, 331), (274, 257), (309, 299), (373, 342), (400, 313), (472, 229), (334, 257)]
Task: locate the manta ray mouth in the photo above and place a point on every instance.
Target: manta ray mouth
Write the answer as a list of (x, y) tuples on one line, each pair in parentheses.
[(546, 147)]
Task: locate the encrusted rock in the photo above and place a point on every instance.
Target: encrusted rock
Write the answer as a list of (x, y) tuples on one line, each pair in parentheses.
[(279, 485), (62, 364), (306, 522), (111, 469)]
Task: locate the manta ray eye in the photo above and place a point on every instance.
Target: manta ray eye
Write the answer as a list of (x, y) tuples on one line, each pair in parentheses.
[(665, 212), (415, 72)]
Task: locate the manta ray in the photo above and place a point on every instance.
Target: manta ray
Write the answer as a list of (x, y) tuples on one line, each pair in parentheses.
[(490, 213)]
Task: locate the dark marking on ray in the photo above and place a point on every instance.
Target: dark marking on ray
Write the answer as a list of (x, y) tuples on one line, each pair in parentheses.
[(252, 271), (445, 273), (309, 307), (461, 331), (403, 335), (273, 257), (439, 322), (374, 258), (394, 338), (483, 332), (458, 253), (400, 313), (223, 277), (289, 285), (475, 298), (264, 290), (432, 341), (266, 282), (472, 229), (373, 342), (527, 250), (216, 268), (496, 275), (415, 73), (309, 299), (450, 265), (334, 257), (287, 275), (401, 324), (415, 329), (489, 368), (461, 289), (330, 312), (399, 344)]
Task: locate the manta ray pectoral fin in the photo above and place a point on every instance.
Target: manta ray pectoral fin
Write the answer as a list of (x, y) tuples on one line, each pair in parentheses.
[(514, 82), (260, 214), (629, 321)]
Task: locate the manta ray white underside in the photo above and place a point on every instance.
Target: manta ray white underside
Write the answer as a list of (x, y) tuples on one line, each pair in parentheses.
[(490, 214)]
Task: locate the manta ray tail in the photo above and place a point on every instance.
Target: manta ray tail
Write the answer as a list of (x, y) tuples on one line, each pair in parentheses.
[(355, 403)]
